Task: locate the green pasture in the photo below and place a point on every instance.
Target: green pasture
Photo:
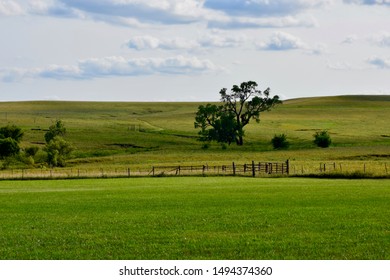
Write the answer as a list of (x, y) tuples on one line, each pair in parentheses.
[(145, 134), (195, 218)]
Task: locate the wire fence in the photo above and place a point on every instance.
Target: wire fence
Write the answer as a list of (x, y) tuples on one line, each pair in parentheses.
[(247, 169), (253, 169)]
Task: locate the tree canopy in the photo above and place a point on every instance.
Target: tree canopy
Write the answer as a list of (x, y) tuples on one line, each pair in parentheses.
[(225, 123), (11, 131), (57, 129), (10, 137)]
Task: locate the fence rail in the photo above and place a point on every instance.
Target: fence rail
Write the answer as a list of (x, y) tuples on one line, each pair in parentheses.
[(254, 169), (250, 169), (247, 169)]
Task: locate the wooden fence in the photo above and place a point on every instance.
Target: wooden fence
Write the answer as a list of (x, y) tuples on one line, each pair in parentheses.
[(254, 169), (247, 169)]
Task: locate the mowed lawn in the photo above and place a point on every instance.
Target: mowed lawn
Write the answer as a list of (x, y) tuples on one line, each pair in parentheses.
[(195, 218)]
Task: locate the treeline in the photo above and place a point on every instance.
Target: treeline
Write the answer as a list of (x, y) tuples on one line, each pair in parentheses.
[(54, 154)]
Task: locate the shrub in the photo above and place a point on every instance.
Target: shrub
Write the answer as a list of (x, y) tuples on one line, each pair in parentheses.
[(280, 142), (322, 139), (57, 129), (31, 151), (58, 150), (8, 147), (11, 131)]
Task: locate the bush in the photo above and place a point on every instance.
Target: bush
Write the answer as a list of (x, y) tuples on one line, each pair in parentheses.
[(8, 147), (11, 131), (322, 139), (57, 129), (280, 142), (58, 150), (31, 151)]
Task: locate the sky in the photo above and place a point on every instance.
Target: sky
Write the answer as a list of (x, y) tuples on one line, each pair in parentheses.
[(188, 50)]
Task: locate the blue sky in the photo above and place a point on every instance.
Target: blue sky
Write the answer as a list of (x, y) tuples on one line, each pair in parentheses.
[(187, 50)]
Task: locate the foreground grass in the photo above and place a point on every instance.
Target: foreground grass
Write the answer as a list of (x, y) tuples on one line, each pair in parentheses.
[(195, 218)]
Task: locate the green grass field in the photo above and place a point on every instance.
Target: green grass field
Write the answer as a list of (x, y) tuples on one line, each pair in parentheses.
[(145, 134), (200, 217), (195, 218)]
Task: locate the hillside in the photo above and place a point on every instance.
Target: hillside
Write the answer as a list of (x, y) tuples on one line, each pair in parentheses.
[(122, 133)]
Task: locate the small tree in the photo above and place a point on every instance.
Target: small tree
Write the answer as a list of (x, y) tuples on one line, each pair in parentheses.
[(322, 139), (57, 129), (10, 137), (11, 131), (58, 151), (8, 148), (280, 142)]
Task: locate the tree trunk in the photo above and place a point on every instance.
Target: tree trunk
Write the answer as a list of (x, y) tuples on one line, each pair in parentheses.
[(240, 141)]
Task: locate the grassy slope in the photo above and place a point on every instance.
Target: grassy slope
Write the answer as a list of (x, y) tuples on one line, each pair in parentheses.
[(195, 218), (103, 135)]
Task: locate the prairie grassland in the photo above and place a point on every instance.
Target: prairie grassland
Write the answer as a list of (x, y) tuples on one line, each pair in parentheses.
[(144, 134), (195, 218)]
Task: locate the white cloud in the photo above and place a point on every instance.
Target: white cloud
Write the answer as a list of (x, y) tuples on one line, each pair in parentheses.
[(10, 8), (216, 14), (151, 43), (143, 42), (267, 22), (114, 66), (379, 62), (204, 42), (153, 11), (221, 41), (382, 39), (339, 65), (281, 41), (350, 39)]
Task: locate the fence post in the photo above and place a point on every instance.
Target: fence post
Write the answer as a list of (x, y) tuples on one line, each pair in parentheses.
[(234, 169), (253, 169)]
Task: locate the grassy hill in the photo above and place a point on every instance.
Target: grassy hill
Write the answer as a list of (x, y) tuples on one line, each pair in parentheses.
[(143, 134)]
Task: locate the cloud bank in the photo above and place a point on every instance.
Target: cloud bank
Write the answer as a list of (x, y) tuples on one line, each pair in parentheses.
[(113, 66), (220, 14), (256, 8)]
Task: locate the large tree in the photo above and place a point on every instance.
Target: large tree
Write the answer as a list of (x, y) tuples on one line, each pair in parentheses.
[(225, 123)]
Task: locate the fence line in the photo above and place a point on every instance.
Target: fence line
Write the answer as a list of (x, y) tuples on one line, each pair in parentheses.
[(376, 168), (247, 169), (254, 169)]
